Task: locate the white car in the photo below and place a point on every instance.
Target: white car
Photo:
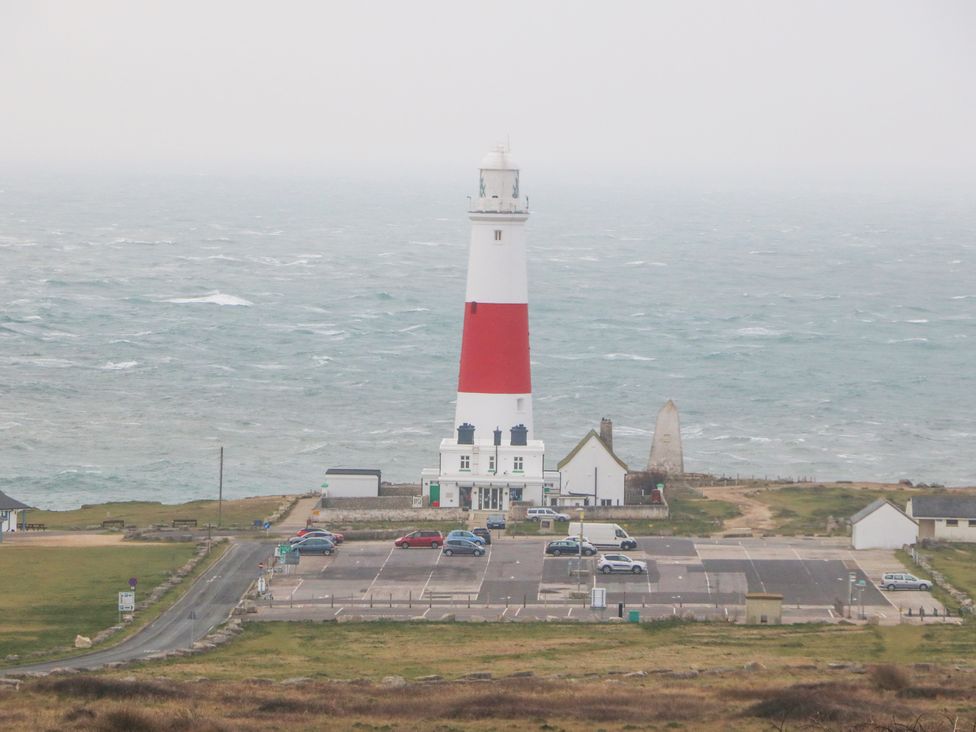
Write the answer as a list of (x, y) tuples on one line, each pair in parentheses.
[(608, 563), (535, 514)]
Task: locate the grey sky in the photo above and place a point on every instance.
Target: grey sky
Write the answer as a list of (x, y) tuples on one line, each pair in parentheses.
[(581, 87)]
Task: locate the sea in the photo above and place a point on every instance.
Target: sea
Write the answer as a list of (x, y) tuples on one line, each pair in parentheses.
[(822, 332)]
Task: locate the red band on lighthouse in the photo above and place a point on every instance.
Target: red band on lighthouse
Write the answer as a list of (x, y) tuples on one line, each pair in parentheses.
[(495, 349)]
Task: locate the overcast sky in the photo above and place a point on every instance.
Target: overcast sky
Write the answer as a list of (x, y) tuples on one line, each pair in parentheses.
[(580, 88)]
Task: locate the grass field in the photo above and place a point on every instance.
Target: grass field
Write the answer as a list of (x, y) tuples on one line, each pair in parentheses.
[(958, 563), (52, 594), (374, 650), (804, 510), (238, 513)]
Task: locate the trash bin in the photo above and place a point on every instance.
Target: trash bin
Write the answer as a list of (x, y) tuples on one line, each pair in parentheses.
[(633, 616)]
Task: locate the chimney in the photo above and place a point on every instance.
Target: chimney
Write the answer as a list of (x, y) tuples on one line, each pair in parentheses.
[(498, 437), (465, 434), (519, 434), (606, 432)]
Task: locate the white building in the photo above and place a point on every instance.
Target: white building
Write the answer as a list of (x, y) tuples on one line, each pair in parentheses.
[(478, 468), (949, 517), (882, 525), (10, 510), (351, 483), (591, 474)]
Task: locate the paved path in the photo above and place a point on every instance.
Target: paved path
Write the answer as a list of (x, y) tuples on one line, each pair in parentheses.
[(210, 599), (299, 515)]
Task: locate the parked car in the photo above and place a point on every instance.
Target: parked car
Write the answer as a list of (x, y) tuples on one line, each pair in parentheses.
[(570, 547), (339, 538), (903, 581), (462, 546), (483, 533), (320, 534), (470, 536), (534, 514), (620, 563), (496, 521), (313, 545), (432, 539)]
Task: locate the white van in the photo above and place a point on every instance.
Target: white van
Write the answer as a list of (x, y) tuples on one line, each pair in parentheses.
[(603, 535)]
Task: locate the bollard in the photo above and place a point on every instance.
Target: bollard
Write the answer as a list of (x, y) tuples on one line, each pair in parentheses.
[(410, 599), (371, 602), (620, 609), (523, 602), (391, 599), (332, 601), (469, 600)]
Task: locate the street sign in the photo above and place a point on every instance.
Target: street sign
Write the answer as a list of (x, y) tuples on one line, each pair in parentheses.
[(282, 549), (127, 602), (267, 524), (133, 582)]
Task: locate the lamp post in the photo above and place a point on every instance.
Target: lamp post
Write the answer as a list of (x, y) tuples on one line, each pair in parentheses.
[(579, 561)]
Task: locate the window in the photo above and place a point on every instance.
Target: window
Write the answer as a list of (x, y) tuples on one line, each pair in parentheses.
[(520, 404), (972, 523), (491, 463), (952, 522), (606, 502), (465, 462), (517, 463), (498, 234)]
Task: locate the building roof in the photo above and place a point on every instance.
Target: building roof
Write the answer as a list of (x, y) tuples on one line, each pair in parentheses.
[(944, 506), (352, 471), (579, 446), (874, 506), (10, 504)]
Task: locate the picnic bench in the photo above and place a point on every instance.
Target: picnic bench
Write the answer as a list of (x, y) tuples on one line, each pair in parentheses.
[(35, 527), (184, 523), (113, 524)]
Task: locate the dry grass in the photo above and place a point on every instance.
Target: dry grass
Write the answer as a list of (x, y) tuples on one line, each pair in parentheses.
[(612, 703)]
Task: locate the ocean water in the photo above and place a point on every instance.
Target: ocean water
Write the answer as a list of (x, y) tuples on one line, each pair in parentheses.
[(308, 323)]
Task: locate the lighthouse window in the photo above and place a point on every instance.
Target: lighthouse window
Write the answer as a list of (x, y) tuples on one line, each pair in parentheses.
[(517, 462), (520, 404), (465, 462), (491, 463), (498, 234)]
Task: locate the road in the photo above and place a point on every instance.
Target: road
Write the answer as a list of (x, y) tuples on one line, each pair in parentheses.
[(209, 600)]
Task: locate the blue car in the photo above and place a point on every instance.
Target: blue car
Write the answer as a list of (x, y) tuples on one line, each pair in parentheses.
[(313, 545), (462, 546), (462, 534)]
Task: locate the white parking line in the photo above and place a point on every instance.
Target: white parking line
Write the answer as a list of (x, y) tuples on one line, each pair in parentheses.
[(429, 576), (292, 595), (754, 568), (380, 570), (485, 573)]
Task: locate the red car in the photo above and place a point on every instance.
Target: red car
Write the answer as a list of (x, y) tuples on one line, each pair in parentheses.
[(323, 533), (433, 539)]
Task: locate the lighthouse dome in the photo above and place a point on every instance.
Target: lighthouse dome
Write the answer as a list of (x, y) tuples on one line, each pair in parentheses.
[(499, 159)]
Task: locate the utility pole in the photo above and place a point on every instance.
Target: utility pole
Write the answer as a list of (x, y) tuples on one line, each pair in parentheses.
[(220, 490)]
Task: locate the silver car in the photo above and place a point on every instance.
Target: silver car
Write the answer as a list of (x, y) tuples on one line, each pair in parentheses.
[(620, 563), (903, 581)]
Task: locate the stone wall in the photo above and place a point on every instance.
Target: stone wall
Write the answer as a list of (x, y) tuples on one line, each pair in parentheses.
[(331, 516), (374, 503), (400, 489), (602, 513)]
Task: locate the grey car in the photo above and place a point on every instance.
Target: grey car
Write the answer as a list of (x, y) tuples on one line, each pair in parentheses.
[(462, 546), (903, 581)]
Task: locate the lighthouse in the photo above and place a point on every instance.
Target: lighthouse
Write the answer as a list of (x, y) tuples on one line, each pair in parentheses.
[(494, 383), (493, 458)]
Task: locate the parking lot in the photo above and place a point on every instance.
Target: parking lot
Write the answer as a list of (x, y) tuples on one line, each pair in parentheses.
[(709, 574)]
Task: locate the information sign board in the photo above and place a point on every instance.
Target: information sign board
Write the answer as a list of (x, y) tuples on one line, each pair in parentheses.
[(127, 602)]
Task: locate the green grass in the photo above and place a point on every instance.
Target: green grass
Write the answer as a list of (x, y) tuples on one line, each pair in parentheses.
[(690, 516), (52, 594), (804, 510), (376, 649), (958, 563), (238, 513)]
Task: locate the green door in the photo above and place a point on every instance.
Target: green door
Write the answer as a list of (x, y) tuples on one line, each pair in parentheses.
[(435, 494)]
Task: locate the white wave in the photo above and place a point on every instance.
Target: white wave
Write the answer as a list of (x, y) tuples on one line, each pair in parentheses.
[(758, 331), (322, 360), (410, 328), (637, 315), (9, 425), (627, 357), (917, 320), (907, 340), (53, 363), (119, 365), (964, 297), (635, 263), (270, 366), (215, 298)]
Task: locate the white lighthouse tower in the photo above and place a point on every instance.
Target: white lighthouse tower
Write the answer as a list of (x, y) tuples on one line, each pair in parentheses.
[(493, 459)]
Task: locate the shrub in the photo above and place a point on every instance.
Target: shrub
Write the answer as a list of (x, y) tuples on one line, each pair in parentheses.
[(890, 678)]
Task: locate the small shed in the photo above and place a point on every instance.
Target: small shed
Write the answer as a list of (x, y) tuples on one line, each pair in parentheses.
[(764, 608), (882, 525), (351, 483), (10, 510)]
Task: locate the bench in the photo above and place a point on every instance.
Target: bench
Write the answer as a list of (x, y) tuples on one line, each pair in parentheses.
[(184, 523), (113, 524), (35, 527)]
